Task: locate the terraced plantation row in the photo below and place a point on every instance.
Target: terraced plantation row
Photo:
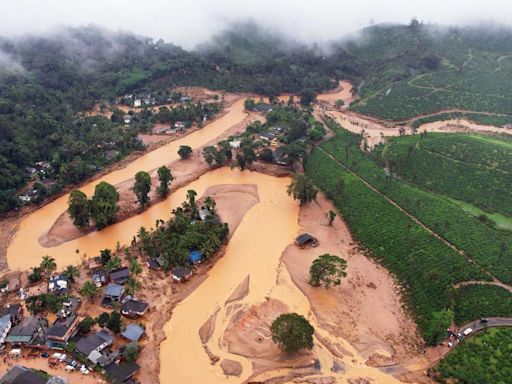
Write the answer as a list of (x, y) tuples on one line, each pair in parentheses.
[(425, 265), (476, 237), (473, 168), (480, 83)]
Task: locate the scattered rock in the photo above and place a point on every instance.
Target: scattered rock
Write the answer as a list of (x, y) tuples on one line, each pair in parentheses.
[(207, 329), (316, 380), (240, 292), (337, 367), (358, 380), (213, 358), (231, 367)]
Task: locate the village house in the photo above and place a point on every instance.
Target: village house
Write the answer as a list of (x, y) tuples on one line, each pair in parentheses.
[(121, 373), (23, 375), (58, 284), (195, 257), (134, 308), (137, 103), (306, 240), (119, 275), (180, 274), (179, 125), (69, 307), (15, 311), (104, 357), (95, 342), (127, 119), (97, 271), (113, 293), (156, 263), (31, 331), (133, 332), (5, 327), (61, 331)]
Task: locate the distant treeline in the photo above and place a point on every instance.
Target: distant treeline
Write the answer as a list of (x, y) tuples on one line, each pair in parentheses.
[(53, 77)]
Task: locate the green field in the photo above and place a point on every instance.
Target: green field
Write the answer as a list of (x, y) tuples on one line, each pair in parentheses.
[(460, 72), (476, 169), (474, 301), (425, 265), (484, 358)]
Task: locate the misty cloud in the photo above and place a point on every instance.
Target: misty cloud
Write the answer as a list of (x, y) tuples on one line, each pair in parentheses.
[(188, 23), (9, 63)]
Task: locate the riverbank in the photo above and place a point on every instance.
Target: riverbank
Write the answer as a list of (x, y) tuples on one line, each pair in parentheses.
[(376, 133), (232, 204), (366, 309), (183, 171)]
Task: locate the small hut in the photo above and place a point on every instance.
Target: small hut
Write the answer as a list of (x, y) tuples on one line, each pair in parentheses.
[(306, 240)]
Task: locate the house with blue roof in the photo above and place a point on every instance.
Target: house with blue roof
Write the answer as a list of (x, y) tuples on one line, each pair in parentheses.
[(195, 257)]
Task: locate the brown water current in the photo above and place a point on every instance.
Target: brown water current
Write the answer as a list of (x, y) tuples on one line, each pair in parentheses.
[(25, 251)]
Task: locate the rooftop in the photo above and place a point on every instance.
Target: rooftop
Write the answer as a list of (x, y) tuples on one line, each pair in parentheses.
[(133, 332), (114, 290), (119, 373)]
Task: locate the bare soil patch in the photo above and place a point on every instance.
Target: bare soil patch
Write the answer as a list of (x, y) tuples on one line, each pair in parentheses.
[(365, 309)]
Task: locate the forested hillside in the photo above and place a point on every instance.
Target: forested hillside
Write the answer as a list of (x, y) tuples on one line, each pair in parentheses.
[(401, 71)]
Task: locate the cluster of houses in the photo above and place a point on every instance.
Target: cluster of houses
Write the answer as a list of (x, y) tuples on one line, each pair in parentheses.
[(270, 139), (94, 350), (178, 126), (38, 172), (147, 99), (22, 375)]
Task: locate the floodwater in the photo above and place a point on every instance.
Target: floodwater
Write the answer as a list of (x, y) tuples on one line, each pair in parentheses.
[(376, 133), (343, 92), (254, 250), (25, 251)]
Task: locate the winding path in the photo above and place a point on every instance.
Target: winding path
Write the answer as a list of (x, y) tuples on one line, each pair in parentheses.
[(414, 364)]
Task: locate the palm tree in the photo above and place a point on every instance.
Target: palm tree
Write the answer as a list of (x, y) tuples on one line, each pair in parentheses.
[(89, 290), (113, 263), (48, 264), (210, 204), (135, 267), (132, 286), (71, 272)]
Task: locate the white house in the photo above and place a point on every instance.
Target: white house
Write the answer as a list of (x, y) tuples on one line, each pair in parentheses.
[(58, 284), (137, 103)]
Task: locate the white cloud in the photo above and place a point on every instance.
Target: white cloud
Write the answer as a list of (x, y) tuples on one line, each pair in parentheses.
[(192, 21)]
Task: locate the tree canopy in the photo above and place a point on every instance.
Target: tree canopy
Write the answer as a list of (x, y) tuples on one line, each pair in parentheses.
[(302, 189), (327, 270), (142, 187), (104, 204), (292, 332)]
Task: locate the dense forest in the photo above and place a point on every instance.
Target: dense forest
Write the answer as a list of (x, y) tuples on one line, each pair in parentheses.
[(401, 71)]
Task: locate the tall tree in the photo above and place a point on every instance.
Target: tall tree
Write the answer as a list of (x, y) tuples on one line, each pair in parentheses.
[(104, 204), (71, 272), (135, 267), (79, 208), (48, 265), (165, 177), (89, 290), (327, 270), (209, 154), (142, 187), (184, 151), (292, 332), (302, 189)]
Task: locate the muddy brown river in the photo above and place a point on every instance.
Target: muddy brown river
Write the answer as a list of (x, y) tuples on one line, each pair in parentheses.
[(25, 251), (255, 249)]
